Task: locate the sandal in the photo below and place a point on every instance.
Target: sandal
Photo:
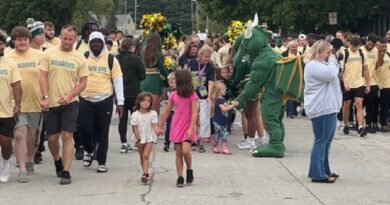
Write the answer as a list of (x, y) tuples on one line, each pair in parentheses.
[(324, 180)]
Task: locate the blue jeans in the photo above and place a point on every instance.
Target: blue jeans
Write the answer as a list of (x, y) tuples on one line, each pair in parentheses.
[(324, 128)]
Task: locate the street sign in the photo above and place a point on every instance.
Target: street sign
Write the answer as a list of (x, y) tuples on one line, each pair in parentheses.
[(332, 18)]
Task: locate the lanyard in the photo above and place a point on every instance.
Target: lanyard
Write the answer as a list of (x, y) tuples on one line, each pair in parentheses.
[(200, 72)]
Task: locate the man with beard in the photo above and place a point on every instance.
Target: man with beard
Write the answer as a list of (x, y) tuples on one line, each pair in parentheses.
[(50, 39)]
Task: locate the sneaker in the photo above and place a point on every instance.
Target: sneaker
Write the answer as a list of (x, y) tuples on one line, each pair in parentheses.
[(59, 167), (22, 177), (190, 176), (248, 144), (126, 148), (346, 130), (166, 148), (384, 129), (371, 129), (38, 158), (4, 172), (88, 159), (30, 168), (79, 154), (201, 149), (144, 178), (180, 182), (362, 132), (102, 168), (65, 178)]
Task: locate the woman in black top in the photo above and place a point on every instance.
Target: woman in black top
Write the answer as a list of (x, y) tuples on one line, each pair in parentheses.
[(133, 73)]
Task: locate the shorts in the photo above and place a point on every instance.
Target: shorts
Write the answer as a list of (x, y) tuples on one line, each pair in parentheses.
[(62, 118), (204, 119), (7, 126), (354, 93), (31, 119)]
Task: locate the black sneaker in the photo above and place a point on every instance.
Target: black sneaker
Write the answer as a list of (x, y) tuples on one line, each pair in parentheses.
[(41, 148), (59, 167), (346, 130), (65, 178), (190, 176), (166, 148), (38, 158), (79, 154), (362, 132), (371, 129), (201, 149), (180, 182)]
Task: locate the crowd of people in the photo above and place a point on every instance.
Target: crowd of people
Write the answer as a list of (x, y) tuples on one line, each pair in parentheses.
[(65, 88)]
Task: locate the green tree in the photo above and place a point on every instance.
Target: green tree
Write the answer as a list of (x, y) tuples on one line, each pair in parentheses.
[(297, 15), (14, 13)]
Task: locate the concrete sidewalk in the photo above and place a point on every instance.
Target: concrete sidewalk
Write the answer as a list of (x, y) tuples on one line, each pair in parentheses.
[(363, 164)]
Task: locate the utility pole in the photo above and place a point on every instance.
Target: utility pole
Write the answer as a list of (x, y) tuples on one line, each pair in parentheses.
[(135, 13), (197, 15), (125, 6), (192, 17)]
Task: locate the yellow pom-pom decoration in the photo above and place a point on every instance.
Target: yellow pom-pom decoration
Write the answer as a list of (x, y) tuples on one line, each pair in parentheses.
[(170, 42), (234, 30), (151, 22), (169, 63)]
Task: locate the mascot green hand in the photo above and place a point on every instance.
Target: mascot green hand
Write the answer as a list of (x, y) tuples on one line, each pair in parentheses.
[(253, 48)]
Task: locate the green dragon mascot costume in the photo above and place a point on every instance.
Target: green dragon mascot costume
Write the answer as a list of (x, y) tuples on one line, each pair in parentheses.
[(253, 47)]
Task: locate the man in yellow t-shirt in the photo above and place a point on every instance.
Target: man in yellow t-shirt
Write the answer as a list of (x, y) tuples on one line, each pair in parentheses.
[(27, 60), (10, 90), (96, 101), (50, 39), (63, 77), (356, 80), (383, 75), (371, 100)]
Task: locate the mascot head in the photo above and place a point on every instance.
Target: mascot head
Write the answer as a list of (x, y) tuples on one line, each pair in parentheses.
[(250, 42)]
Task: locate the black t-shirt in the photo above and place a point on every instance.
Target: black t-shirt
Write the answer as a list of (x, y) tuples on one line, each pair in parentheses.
[(201, 75)]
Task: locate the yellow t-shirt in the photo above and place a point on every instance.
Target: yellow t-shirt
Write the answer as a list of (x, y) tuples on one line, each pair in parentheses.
[(28, 65), (100, 75), (114, 48), (388, 46), (84, 47), (9, 74), (7, 50), (383, 73), (54, 42), (64, 70), (353, 69), (371, 62)]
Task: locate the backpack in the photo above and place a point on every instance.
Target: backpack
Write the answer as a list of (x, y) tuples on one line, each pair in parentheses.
[(289, 78), (110, 59), (346, 56)]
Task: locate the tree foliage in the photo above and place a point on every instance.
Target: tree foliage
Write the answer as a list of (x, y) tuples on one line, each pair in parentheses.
[(298, 15), (14, 13)]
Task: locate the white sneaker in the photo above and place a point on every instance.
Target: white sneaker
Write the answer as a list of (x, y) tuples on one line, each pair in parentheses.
[(249, 143), (4, 172)]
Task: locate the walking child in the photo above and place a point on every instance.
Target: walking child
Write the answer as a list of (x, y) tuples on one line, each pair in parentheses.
[(221, 119), (144, 123), (183, 126), (170, 90)]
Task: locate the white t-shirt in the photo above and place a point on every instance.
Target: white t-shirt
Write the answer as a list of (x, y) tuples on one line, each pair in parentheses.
[(144, 122)]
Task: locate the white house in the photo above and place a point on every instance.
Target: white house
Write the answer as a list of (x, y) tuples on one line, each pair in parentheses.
[(125, 23)]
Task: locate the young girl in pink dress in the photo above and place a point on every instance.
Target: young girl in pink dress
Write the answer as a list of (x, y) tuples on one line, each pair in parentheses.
[(183, 125)]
